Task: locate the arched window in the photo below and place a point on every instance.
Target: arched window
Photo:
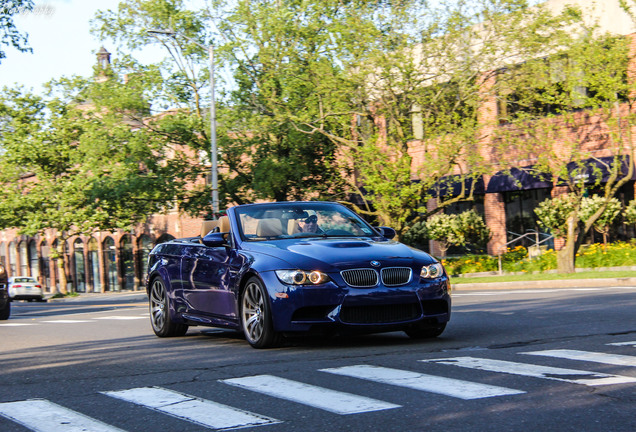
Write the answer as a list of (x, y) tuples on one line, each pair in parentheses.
[(80, 269), (34, 260), (12, 260), (127, 262), (164, 238), (145, 246), (3, 254), (44, 261), (110, 264), (92, 258), (24, 258)]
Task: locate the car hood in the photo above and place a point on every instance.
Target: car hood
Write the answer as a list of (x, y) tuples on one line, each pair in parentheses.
[(337, 253)]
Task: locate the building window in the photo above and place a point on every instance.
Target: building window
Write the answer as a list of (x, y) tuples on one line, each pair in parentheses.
[(12, 260), (45, 263), (520, 216), (145, 246), (80, 270), (92, 258), (110, 264), (127, 263), (164, 238), (34, 261), (24, 258)]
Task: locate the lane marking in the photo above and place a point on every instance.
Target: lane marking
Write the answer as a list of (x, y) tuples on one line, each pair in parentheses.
[(40, 415), (547, 372), (460, 293), (16, 324), (196, 410), (307, 394), (613, 359), (120, 317), (632, 343), (430, 383), (66, 321)]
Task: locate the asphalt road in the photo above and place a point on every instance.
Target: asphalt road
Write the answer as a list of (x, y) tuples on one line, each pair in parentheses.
[(519, 360)]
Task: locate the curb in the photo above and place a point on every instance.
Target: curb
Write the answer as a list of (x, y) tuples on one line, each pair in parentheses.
[(567, 283)]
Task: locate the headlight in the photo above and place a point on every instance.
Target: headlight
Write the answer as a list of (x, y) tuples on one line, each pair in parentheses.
[(432, 271), (301, 277)]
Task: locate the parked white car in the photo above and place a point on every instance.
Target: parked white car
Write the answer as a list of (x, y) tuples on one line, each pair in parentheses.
[(24, 288)]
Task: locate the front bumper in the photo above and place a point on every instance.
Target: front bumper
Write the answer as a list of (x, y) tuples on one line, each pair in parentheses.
[(330, 305)]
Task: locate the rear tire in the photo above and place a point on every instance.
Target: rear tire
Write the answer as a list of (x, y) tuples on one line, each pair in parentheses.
[(160, 319), (256, 316), (6, 312), (425, 331)]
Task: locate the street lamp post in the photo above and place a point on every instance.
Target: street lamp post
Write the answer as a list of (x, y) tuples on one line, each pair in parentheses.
[(213, 147)]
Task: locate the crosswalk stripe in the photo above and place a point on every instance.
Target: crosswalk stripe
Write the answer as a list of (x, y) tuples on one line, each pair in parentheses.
[(595, 357), (203, 412), (307, 394), (632, 343), (418, 381), (41, 415), (537, 371)]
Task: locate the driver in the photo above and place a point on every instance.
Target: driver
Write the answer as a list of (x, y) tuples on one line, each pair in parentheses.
[(310, 225)]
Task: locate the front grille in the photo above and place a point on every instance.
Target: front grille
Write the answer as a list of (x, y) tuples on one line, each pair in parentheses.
[(393, 276), (360, 278), (381, 314)]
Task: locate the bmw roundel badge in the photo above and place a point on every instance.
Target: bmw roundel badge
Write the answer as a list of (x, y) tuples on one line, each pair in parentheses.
[(375, 263)]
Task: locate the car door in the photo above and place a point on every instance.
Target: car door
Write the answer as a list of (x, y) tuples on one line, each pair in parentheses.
[(207, 281)]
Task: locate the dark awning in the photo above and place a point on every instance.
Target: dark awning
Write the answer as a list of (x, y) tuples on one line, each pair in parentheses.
[(451, 186), (595, 169), (518, 179)]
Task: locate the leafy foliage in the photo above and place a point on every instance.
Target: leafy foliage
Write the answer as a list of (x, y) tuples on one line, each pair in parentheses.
[(9, 34)]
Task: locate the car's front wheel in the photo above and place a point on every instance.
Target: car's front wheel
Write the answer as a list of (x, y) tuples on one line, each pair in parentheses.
[(160, 319), (256, 316), (425, 331), (6, 312)]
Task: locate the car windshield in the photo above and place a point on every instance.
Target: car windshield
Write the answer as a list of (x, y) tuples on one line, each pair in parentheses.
[(294, 220)]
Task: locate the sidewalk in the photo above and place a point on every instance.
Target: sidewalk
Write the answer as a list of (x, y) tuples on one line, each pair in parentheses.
[(104, 298), (570, 283)]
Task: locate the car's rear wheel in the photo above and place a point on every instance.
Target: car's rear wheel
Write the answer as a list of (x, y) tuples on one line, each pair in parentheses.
[(5, 312), (256, 316), (160, 319), (425, 331)]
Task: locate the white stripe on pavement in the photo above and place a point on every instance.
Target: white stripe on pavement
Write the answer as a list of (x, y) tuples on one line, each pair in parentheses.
[(40, 415), (123, 318), (203, 412), (632, 343), (16, 324), (418, 381), (537, 371), (66, 321), (613, 359), (307, 394)]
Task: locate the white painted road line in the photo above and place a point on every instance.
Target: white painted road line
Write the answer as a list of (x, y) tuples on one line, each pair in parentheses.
[(537, 371), (123, 318), (16, 324), (632, 343), (418, 381), (67, 321), (595, 357), (317, 397), (200, 411), (40, 415)]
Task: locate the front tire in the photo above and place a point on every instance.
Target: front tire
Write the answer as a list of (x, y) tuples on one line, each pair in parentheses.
[(160, 319), (256, 316), (425, 331)]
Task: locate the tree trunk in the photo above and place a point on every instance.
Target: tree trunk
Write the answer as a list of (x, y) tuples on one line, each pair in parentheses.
[(566, 256)]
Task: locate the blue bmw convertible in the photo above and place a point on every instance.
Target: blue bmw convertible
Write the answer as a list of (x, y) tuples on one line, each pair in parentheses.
[(284, 268)]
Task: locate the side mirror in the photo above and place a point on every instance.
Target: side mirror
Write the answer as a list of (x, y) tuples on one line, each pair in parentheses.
[(387, 232), (214, 239)]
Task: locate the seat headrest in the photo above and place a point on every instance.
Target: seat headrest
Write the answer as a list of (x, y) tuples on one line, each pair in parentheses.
[(207, 226), (269, 228), (224, 224), (293, 227)]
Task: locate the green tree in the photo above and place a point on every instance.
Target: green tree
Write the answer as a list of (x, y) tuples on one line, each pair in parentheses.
[(551, 100), (79, 166), (9, 34), (603, 223)]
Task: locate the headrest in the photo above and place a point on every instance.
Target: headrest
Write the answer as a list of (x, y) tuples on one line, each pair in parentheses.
[(269, 228), (207, 226), (224, 224)]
